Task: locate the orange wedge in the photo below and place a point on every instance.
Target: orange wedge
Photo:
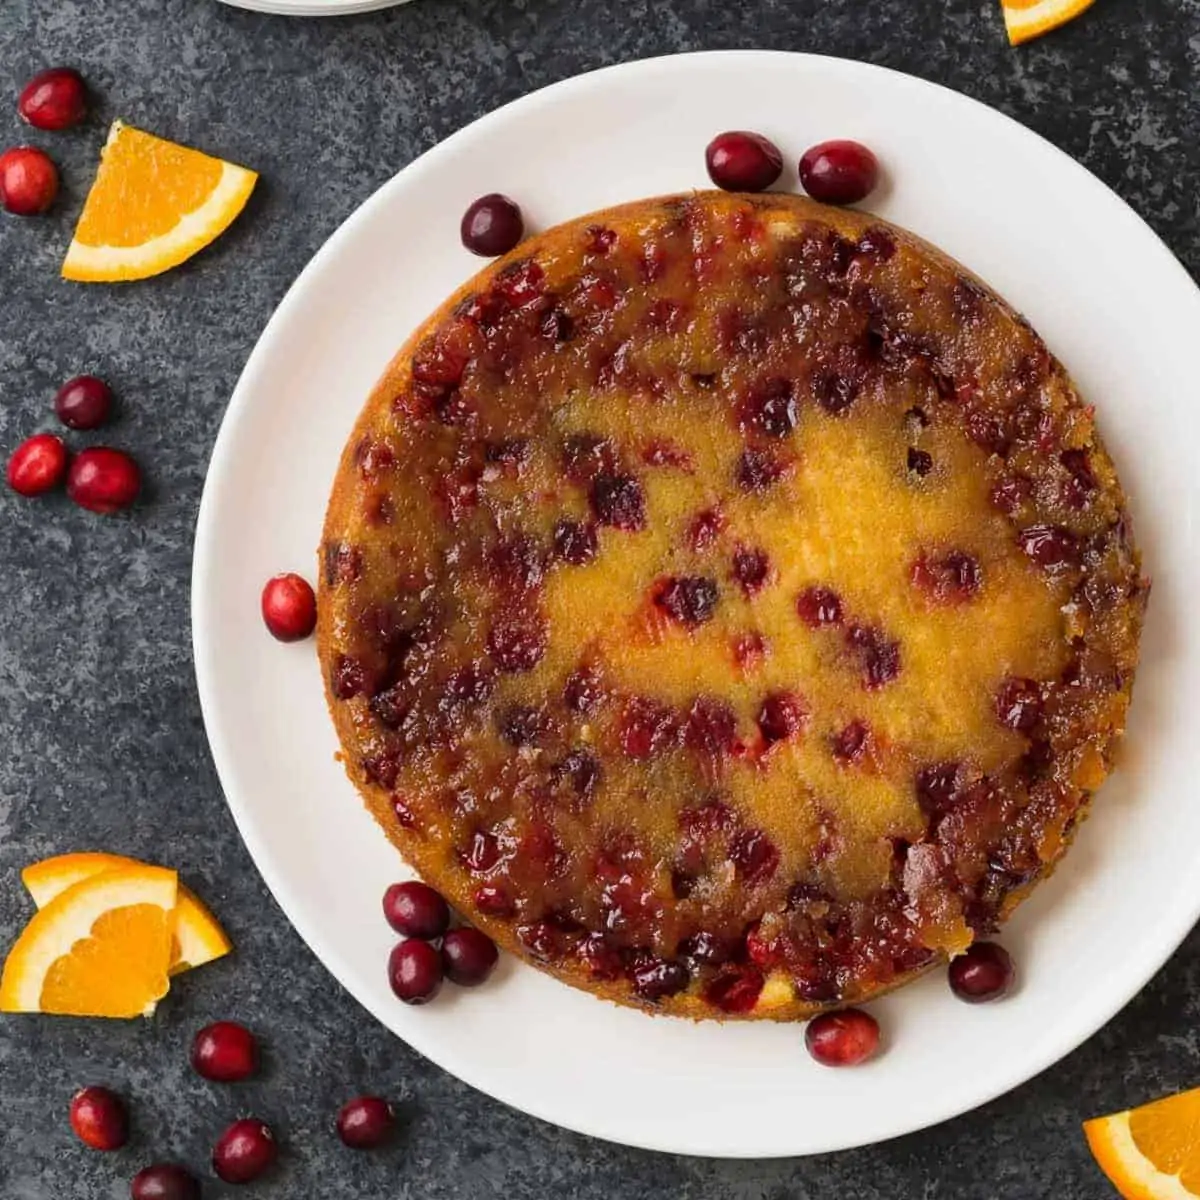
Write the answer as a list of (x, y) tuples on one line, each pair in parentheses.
[(100, 949), (1026, 19), (153, 205), (198, 938), (1152, 1152)]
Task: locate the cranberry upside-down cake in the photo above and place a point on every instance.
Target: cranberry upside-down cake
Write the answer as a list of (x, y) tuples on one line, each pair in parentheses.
[(728, 604)]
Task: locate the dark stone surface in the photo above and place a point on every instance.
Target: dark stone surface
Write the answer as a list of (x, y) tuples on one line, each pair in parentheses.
[(101, 743)]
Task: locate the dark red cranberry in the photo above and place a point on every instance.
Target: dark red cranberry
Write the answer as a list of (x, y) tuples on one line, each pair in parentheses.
[(37, 465), (483, 852), (757, 470), (754, 855), (938, 787), (99, 1119), (1019, 704), (839, 172), (54, 99), (103, 480), (289, 608), (416, 910), (877, 244), (706, 821), (545, 940), (520, 725), (878, 654), (583, 691), (736, 989), (770, 408), (520, 283), (951, 578), (601, 959), (225, 1052), (618, 501), (1051, 547), (834, 391), (749, 650), (819, 606), (492, 225), (600, 239), (782, 715), (920, 462), (350, 677), (850, 743), (704, 529), (83, 402), (842, 1039), (751, 568), (165, 1181), (762, 950), (415, 971), (246, 1150), (690, 599), (28, 181), (711, 727), (647, 728), (517, 642), (706, 949), (468, 956), (984, 972), (739, 161), (575, 542), (494, 901), (657, 978), (365, 1122)]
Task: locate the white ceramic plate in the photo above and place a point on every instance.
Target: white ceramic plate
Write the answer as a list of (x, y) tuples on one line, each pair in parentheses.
[(1110, 300), (314, 8)]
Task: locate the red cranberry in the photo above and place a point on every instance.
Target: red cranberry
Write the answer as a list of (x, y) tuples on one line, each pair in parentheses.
[(984, 972), (492, 226), (647, 728), (878, 654), (83, 402), (754, 855), (99, 1118), (494, 901), (950, 578), (751, 568), (1051, 547), (817, 606), (690, 600), (782, 714), (244, 1151), (416, 910), (739, 161), (164, 1181), (736, 989), (468, 956), (656, 978), (850, 743), (366, 1122), (575, 542), (1019, 704), (517, 641), (54, 99), (103, 480), (37, 465), (28, 181), (842, 1039), (415, 971), (839, 172), (770, 408), (711, 727), (289, 608), (225, 1052), (618, 501)]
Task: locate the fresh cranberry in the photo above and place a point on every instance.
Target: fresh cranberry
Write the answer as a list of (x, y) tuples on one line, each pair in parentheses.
[(289, 608), (492, 226), (739, 161), (839, 172), (736, 989), (415, 971), (246, 1150), (818, 606), (468, 956), (782, 715), (225, 1052), (984, 972), (164, 1181), (690, 599), (842, 1039), (28, 181), (103, 480), (366, 1122), (37, 465), (99, 1118), (416, 910), (1019, 704), (83, 402), (54, 99)]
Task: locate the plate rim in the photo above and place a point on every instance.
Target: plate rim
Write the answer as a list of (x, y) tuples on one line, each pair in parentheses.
[(1165, 939)]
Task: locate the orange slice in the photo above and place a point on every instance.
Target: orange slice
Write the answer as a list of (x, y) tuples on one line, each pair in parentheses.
[(199, 939), (1152, 1152), (1026, 19), (99, 949), (153, 205)]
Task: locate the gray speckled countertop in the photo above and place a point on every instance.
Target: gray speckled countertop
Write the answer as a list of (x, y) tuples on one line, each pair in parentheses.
[(101, 743)]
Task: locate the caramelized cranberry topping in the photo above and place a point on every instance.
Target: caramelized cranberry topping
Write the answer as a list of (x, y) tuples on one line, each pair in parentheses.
[(690, 599), (819, 606)]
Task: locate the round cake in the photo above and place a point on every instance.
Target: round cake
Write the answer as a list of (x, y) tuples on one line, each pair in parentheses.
[(728, 604)]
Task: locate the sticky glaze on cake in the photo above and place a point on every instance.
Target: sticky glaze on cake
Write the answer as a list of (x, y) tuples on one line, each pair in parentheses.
[(728, 604)]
